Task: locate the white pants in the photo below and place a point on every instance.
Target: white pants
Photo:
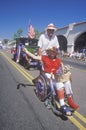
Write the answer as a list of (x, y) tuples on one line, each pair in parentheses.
[(66, 86), (52, 82), (60, 85), (68, 89)]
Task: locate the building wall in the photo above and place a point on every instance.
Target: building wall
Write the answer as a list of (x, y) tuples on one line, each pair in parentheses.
[(71, 32)]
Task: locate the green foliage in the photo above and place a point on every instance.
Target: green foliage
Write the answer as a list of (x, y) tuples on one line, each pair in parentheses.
[(37, 34), (18, 34), (5, 41), (31, 49)]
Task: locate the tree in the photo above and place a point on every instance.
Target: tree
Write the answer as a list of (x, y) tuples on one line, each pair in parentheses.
[(18, 34), (37, 34), (5, 41)]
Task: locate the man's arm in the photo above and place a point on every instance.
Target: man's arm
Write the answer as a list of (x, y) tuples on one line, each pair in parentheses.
[(32, 55)]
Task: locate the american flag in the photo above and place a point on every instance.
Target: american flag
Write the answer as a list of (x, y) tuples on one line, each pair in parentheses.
[(31, 32)]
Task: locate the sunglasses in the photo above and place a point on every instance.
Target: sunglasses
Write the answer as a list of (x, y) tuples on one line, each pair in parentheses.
[(50, 30)]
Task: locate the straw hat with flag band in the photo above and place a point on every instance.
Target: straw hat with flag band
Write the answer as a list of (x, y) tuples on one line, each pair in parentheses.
[(50, 27), (53, 49)]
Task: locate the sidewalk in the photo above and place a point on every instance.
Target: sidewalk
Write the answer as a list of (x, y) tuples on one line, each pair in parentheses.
[(74, 60)]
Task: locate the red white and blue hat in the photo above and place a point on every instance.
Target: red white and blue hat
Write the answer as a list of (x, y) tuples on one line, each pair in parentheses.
[(54, 49)]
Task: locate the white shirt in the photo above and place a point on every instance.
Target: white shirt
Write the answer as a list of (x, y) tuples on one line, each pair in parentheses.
[(44, 42)]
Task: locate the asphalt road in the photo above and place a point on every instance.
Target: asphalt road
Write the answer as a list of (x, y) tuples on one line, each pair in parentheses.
[(20, 109)]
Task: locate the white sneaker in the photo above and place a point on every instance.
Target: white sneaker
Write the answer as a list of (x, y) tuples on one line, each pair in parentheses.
[(17, 61)]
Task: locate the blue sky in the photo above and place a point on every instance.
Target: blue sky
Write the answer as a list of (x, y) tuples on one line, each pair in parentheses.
[(15, 14)]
